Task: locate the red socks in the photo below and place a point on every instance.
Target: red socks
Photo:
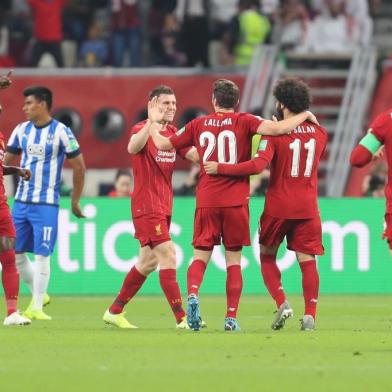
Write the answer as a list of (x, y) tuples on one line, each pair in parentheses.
[(10, 280), (233, 289), (132, 283), (271, 275), (195, 276), (310, 286), (168, 280)]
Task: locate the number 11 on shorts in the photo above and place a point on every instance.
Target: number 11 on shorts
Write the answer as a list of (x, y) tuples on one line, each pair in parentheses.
[(47, 233)]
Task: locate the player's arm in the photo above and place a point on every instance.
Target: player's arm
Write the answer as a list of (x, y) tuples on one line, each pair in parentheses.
[(78, 169), (139, 139), (161, 142), (23, 173), (9, 157), (192, 155), (254, 166), (364, 151), (274, 128)]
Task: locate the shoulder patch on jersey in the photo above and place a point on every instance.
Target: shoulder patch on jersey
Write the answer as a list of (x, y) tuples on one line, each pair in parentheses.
[(180, 131), (73, 143), (263, 145)]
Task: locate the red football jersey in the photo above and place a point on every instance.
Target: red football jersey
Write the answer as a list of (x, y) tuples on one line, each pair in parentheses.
[(381, 128), (152, 172), (225, 138), (294, 159), (47, 19), (3, 197)]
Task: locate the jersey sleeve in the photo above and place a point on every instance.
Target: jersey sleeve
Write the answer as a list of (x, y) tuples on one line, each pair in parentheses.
[(183, 137), (14, 145), (266, 149), (252, 123), (69, 143), (380, 126), (183, 151)]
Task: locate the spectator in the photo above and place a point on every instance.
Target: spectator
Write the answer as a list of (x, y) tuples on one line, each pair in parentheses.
[(20, 26), (332, 32), (247, 30), (193, 17), (163, 34), (293, 24), (123, 184), (126, 32), (222, 12), (94, 51), (77, 17), (5, 59), (48, 29), (374, 183)]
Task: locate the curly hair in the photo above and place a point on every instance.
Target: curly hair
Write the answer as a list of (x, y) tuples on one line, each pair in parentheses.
[(293, 93)]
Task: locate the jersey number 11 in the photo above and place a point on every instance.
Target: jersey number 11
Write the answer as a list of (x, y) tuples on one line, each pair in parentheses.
[(310, 146)]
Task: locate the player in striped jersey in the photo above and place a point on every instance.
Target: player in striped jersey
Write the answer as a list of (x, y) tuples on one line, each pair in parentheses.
[(43, 143)]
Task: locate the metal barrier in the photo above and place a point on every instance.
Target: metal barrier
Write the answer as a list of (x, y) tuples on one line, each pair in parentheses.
[(358, 91)]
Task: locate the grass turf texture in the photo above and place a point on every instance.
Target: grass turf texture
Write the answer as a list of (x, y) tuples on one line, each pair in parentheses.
[(351, 349)]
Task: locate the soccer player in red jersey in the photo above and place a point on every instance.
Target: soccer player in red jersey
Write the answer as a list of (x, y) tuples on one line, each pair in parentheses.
[(222, 202), (9, 276), (291, 208), (379, 135), (152, 200)]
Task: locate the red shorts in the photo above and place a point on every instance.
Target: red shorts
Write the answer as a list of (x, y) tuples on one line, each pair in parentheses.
[(303, 235), (7, 228), (152, 230), (229, 224), (388, 229)]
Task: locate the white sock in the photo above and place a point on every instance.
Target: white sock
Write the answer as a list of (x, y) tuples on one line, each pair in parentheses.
[(25, 269), (41, 280)]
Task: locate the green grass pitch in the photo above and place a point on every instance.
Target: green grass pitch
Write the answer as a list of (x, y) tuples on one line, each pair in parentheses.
[(350, 351)]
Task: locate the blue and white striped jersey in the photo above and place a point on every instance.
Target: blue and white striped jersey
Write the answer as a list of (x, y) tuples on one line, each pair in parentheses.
[(43, 152)]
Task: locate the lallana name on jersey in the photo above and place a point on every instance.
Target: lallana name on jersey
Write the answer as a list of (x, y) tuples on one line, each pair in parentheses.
[(213, 122)]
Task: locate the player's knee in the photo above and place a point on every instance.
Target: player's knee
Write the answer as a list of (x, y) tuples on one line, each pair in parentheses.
[(6, 244)]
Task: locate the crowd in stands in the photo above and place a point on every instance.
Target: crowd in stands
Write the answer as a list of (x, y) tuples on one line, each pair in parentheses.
[(133, 33)]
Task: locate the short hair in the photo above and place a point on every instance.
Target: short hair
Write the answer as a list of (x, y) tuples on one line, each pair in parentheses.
[(293, 93), (226, 93), (41, 93), (123, 172), (157, 91)]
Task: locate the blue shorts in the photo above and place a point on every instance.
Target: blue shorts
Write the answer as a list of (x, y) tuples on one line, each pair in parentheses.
[(36, 227)]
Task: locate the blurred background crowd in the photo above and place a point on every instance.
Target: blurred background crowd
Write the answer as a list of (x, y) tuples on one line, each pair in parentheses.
[(207, 33)]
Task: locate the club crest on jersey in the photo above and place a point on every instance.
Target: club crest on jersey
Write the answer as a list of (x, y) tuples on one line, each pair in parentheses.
[(50, 139), (158, 229)]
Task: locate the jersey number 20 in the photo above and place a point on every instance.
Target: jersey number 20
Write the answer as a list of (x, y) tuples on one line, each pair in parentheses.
[(225, 137), (310, 146)]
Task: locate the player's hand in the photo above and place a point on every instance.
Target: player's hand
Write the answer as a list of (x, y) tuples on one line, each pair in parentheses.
[(5, 81), (155, 110), (211, 167), (76, 210), (379, 154), (24, 173), (312, 118), (274, 118)]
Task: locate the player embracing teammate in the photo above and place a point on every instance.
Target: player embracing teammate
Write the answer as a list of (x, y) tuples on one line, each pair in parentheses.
[(222, 213)]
